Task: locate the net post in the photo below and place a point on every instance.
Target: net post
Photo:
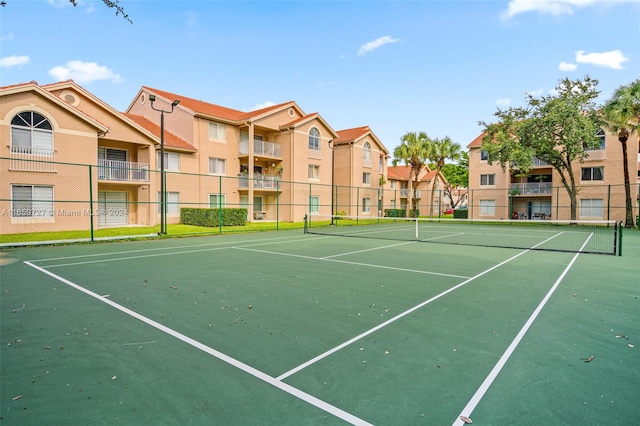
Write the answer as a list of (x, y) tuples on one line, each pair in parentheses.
[(619, 228), (305, 224)]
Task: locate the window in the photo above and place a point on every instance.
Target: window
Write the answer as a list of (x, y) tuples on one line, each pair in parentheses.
[(380, 165), (591, 208), (314, 139), (217, 132), (592, 173), (31, 133), (173, 203), (217, 166), (487, 207), (32, 201), (601, 136), (484, 155), (314, 171), (487, 180), (366, 152), (393, 184), (314, 204), (366, 178), (366, 205), (171, 161), (217, 201)]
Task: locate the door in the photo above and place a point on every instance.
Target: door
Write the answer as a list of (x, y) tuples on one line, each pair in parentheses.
[(112, 209)]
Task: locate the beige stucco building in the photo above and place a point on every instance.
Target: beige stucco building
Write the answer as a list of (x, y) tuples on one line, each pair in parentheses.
[(400, 185), (540, 195)]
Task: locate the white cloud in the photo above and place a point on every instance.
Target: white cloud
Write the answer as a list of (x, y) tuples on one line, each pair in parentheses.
[(566, 66), (535, 93), (263, 105), (373, 45), (7, 37), (192, 19), (552, 7), (84, 72), (612, 59), (503, 102), (59, 3), (327, 83), (13, 61)]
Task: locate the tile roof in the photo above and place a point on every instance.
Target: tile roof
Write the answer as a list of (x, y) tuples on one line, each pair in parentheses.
[(206, 108), (398, 172), (299, 120), (350, 135), (170, 140), (477, 141)]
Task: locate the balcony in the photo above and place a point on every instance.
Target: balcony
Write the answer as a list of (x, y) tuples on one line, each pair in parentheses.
[(536, 163), (260, 182), (531, 188), (27, 159), (404, 193), (261, 148), (123, 171), (595, 154)]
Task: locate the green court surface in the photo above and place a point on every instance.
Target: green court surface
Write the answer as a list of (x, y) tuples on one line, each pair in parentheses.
[(286, 328)]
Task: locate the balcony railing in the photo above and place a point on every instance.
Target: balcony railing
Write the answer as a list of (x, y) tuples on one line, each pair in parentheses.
[(404, 193), (536, 163), (265, 149), (29, 159), (531, 188), (596, 154), (123, 171), (260, 181)]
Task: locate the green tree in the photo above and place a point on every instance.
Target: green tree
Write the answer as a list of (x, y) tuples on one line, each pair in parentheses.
[(111, 4), (413, 151), (622, 116), (558, 129), (457, 175), (441, 150)]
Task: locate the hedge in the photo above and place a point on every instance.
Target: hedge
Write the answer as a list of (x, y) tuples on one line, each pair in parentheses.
[(460, 214), (399, 213), (211, 217)]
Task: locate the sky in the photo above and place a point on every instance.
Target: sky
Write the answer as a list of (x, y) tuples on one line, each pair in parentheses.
[(396, 66)]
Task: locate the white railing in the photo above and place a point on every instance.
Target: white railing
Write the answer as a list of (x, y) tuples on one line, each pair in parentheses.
[(530, 188), (123, 171), (32, 159), (266, 149), (260, 181)]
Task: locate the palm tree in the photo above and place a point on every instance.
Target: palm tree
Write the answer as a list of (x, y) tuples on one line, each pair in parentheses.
[(622, 114), (441, 150), (414, 152)]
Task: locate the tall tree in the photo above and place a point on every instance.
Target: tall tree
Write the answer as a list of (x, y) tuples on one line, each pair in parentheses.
[(441, 150), (413, 151), (457, 175), (558, 129), (622, 116)]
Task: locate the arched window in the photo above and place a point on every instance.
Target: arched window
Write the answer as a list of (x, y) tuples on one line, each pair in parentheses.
[(314, 139), (366, 152), (31, 133), (601, 135)]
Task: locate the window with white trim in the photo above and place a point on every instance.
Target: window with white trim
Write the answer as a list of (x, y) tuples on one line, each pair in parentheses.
[(217, 201), (314, 204), (173, 203), (591, 208), (366, 178), (487, 180), (217, 132), (314, 139), (366, 152), (314, 171), (217, 166), (484, 155), (171, 161), (31, 201), (366, 205), (592, 174), (487, 207), (31, 133)]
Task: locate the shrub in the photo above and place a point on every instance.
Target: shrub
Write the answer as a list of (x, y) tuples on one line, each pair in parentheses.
[(460, 214), (400, 213), (211, 217)]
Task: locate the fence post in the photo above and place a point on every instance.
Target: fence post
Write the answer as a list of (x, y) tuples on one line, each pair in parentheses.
[(609, 202), (220, 204), (91, 203)]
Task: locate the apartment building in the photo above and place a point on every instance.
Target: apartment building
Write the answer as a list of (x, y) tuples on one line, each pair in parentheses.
[(539, 194), (400, 185), (60, 142), (72, 162)]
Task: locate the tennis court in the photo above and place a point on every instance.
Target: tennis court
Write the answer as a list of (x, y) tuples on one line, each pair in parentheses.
[(289, 328)]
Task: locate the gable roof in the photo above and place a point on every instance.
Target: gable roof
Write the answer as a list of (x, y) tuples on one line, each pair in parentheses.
[(356, 133), (170, 139), (477, 142)]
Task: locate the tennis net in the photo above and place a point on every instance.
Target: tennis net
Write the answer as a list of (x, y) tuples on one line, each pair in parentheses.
[(586, 236)]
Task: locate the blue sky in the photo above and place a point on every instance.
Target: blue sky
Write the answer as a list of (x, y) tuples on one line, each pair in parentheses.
[(433, 66)]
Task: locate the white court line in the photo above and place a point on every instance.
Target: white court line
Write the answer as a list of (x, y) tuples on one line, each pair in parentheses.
[(475, 399), (221, 356), (403, 314), (162, 248), (370, 265)]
